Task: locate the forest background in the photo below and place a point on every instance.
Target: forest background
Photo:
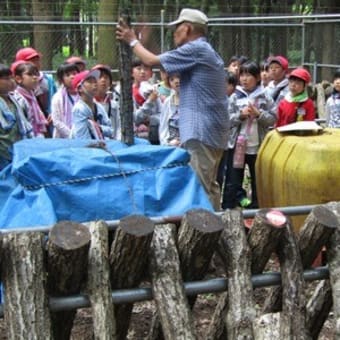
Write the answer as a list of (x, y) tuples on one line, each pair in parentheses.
[(306, 31)]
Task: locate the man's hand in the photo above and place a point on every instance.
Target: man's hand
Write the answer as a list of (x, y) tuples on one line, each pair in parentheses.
[(124, 32)]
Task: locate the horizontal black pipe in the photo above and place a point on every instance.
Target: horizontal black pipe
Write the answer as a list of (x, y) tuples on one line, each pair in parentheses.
[(216, 285)]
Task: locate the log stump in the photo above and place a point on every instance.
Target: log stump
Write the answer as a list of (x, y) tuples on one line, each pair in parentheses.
[(264, 236), (293, 316), (24, 276), (128, 262), (235, 254), (67, 257), (167, 285), (98, 283)]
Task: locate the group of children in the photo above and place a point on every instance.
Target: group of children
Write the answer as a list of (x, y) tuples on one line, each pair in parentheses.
[(86, 105), (262, 97)]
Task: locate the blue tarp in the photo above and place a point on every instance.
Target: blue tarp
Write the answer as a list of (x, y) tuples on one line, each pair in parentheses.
[(58, 179)]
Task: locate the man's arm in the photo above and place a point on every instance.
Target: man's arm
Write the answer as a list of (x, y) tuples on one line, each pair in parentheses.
[(127, 34)]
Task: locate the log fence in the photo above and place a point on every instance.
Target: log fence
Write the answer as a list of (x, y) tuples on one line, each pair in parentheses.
[(102, 264)]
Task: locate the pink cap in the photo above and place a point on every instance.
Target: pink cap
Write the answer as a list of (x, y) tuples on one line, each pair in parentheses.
[(75, 60), (280, 60), (79, 78), (27, 53), (15, 65)]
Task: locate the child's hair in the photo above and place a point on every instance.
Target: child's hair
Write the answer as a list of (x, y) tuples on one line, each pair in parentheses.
[(336, 74), (21, 68), (231, 78), (252, 68), (138, 62), (264, 66), (5, 71), (64, 69), (241, 59)]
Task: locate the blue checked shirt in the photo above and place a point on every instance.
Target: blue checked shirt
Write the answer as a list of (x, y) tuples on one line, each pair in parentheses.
[(203, 113)]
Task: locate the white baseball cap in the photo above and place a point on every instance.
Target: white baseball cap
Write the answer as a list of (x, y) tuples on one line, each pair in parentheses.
[(191, 15)]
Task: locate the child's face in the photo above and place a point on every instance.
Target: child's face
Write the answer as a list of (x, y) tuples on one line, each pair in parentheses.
[(234, 67), (296, 86), (90, 85), (36, 62), (265, 77), (174, 82), (248, 81), (336, 84), (276, 72), (6, 85), (29, 80), (67, 79), (104, 83), (141, 73)]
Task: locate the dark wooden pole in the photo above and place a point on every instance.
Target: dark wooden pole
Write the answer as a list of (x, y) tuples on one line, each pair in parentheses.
[(128, 262), (167, 285), (67, 250), (126, 103), (235, 254)]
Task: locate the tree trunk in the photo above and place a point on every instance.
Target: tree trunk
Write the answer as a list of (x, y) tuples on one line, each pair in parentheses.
[(43, 11), (235, 254), (128, 262), (167, 285), (107, 12), (98, 283), (26, 303), (318, 308), (293, 316), (126, 103), (316, 230), (67, 249)]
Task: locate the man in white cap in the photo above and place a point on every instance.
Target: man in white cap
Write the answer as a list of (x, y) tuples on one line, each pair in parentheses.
[(204, 119)]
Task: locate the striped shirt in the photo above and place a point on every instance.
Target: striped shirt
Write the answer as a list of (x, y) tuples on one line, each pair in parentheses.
[(203, 101)]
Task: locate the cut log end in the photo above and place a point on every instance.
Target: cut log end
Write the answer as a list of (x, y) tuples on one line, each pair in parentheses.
[(69, 235), (325, 216), (204, 220), (274, 218), (137, 225)]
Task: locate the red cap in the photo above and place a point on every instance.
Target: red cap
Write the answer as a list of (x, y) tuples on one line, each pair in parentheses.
[(15, 65), (26, 54), (79, 78), (302, 74), (280, 60), (75, 60)]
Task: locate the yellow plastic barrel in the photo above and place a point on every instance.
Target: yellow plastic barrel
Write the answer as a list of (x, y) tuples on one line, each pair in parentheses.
[(296, 169)]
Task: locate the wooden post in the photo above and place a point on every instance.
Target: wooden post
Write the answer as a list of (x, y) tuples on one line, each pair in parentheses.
[(264, 236), (293, 316), (235, 254), (318, 308), (262, 239), (319, 225), (197, 238), (128, 262), (67, 250), (167, 285), (98, 283), (24, 276), (126, 103)]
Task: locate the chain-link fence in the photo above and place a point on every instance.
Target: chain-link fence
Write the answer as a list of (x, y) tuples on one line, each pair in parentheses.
[(312, 41)]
